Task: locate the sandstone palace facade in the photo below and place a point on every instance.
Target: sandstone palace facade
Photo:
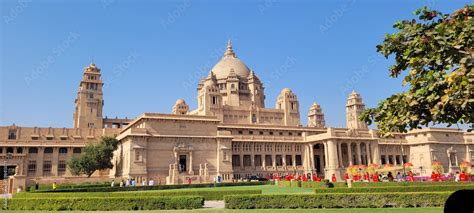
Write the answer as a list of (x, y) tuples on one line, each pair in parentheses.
[(231, 134)]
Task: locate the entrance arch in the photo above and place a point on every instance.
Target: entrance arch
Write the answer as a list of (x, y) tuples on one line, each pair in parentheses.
[(319, 158)]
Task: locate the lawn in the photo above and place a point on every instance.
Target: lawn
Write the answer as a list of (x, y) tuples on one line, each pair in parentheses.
[(404, 210), (266, 189)]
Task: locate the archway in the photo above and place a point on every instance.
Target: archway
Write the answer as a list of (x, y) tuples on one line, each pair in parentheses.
[(319, 158)]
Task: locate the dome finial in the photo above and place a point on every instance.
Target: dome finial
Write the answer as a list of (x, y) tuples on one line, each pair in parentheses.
[(229, 51)]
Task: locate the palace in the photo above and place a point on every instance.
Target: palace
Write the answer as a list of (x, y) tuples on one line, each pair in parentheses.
[(231, 134)]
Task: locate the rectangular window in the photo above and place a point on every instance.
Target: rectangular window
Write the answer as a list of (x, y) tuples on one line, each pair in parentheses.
[(12, 134), (268, 160), (47, 168), (235, 160), (298, 160), (258, 160), (32, 168), (279, 160), (289, 161), (138, 155), (61, 168), (247, 161)]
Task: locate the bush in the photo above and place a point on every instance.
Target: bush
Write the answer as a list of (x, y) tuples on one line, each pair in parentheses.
[(440, 188), (156, 187), (213, 194), (106, 204), (378, 200)]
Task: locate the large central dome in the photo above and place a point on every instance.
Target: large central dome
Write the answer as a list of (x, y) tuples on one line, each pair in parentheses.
[(230, 62)]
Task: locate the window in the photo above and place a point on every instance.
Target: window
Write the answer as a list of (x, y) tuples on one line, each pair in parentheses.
[(250, 132), (91, 95), (12, 134), (61, 167), (10, 150), (77, 151), (280, 133), (268, 160), (235, 160), (289, 160), (47, 168), (33, 150), (247, 161), (298, 160), (240, 132), (62, 150), (271, 133), (48, 150), (214, 100), (261, 133), (278, 160), (19, 150), (290, 133), (49, 138), (258, 160), (254, 118), (138, 155), (31, 167)]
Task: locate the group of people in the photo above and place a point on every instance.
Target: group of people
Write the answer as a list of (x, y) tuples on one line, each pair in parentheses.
[(296, 177), (409, 177), (132, 183)]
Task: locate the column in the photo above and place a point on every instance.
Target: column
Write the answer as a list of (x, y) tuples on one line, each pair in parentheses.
[(69, 156), (333, 161), (39, 162), (325, 155), (339, 148), (274, 160), (386, 159), (349, 152), (294, 160), (359, 159), (191, 172), (367, 150), (376, 153), (311, 156), (241, 161), (264, 162), (252, 160), (54, 162)]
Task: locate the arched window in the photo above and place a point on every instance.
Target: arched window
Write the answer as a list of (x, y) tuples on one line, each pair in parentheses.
[(48, 150), (10, 150), (33, 150), (62, 150), (19, 150)]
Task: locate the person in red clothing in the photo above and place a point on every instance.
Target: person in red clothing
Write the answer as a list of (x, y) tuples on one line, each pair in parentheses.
[(315, 177), (433, 177), (411, 177), (366, 177), (333, 178), (375, 177), (305, 178), (463, 177), (346, 176)]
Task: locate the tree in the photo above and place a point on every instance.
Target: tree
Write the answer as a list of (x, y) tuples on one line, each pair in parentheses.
[(435, 56), (94, 157)]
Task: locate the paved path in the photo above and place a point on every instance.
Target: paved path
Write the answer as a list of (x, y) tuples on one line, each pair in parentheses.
[(214, 204)]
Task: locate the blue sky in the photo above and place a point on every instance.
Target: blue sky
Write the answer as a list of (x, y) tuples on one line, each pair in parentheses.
[(152, 52)]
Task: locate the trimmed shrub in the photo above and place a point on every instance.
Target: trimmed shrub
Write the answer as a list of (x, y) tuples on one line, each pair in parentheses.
[(427, 188), (378, 200), (106, 204), (157, 187), (212, 194)]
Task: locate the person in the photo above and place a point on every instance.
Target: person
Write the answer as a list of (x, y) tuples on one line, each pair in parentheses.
[(189, 180), (346, 177), (399, 177), (36, 186), (54, 186), (151, 182), (121, 183), (457, 177), (112, 184), (133, 183), (390, 177), (304, 178), (463, 177), (411, 177), (366, 177), (375, 177), (333, 178), (143, 182), (433, 177)]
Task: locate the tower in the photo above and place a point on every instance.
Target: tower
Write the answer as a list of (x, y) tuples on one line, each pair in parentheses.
[(316, 116), (288, 102), (354, 108), (89, 101), (180, 107)]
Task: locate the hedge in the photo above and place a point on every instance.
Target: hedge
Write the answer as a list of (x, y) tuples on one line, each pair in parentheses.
[(213, 194), (311, 184), (106, 204), (438, 188), (156, 187), (378, 200)]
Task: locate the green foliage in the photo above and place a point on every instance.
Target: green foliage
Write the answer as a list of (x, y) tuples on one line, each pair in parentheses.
[(214, 194), (436, 52), (436, 188), (157, 187), (106, 203), (94, 157), (354, 200)]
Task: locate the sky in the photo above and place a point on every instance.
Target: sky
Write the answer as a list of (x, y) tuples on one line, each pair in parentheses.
[(152, 53)]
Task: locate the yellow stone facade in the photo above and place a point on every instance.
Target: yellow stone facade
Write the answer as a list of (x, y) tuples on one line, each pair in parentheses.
[(231, 134)]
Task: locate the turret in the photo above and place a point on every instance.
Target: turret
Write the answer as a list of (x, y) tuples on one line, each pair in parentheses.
[(316, 116), (354, 109), (89, 101), (288, 102)]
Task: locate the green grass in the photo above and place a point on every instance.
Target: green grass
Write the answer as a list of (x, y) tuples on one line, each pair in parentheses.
[(266, 189), (394, 210)]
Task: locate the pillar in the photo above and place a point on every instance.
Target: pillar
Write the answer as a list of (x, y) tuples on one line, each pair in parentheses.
[(349, 152), (367, 150), (55, 162), (376, 153), (387, 161), (191, 172), (69, 156), (39, 162), (359, 159), (311, 156), (339, 148), (332, 161)]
